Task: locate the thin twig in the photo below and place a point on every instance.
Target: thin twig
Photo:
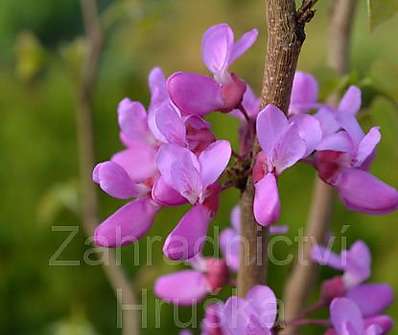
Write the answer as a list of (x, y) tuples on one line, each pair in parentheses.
[(303, 275), (114, 272), (285, 37)]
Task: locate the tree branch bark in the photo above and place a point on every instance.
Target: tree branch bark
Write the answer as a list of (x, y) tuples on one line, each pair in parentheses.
[(303, 275), (285, 32), (85, 135)]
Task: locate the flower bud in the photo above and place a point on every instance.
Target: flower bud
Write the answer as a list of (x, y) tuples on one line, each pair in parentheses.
[(217, 274), (332, 288)]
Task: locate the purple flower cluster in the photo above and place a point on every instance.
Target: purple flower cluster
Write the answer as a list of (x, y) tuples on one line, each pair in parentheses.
[(356, 307), (172, 158)]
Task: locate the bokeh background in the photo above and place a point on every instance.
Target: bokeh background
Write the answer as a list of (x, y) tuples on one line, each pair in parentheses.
[(41, 49)]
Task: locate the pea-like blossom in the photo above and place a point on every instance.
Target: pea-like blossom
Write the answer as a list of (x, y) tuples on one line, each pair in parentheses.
[(355, 263), (254, 314), (193, 178), (195, 94), (347, 319), (283, 142), (345, 154), (188, 287)]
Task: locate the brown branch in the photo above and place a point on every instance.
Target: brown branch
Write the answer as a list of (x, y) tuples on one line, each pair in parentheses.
[(85, 134), (285, 37), (303, 275)]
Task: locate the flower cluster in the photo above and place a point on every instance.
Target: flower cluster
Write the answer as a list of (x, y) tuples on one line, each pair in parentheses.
[(172, 158)]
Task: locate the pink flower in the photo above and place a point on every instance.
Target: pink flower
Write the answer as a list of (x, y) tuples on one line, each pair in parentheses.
[(355, 262), (371, 299), (255, 314), (189, 287), (283, 142), (194, 94), (193, 178), (344, 157), (347, 319), (132, 172), (220, 51)]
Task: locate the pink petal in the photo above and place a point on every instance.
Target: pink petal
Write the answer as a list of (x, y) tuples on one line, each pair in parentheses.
[(217, 45), (372, 299), (138, 161), (327, 119), (263, 301), (127, 225), (230, 246), (325, 256), (278, 229), (235, 218), (114, 180), (243, 44), (213, 161), (288, 150), (187, 238), (164, 194), (384, 322), (350, 103), (179, 167), (304, 93), (157, 86), (357, 263), (235, 316), (133, 120), (194, 94), (211, 321), (251, 103), (271, 125), (350, 124), (309, 130), (368, 145), (339, 141), (361, 191), (373, 330), (170, 123), (266, 201), (343, 312), (185, 332), (183, 288)]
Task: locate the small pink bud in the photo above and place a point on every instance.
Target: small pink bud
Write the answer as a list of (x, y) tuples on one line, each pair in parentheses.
[(332, 288), (217, 274)]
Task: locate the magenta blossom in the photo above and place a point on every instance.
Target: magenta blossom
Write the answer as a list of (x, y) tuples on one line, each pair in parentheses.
[(355, 262), (189, 287), (371, 299), (344, 157), (255, 314), (195, 94), (347, 319), (193, 178), (283, 142)]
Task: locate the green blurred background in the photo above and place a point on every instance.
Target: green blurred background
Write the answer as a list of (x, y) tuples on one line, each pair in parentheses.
[(41, 51)]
